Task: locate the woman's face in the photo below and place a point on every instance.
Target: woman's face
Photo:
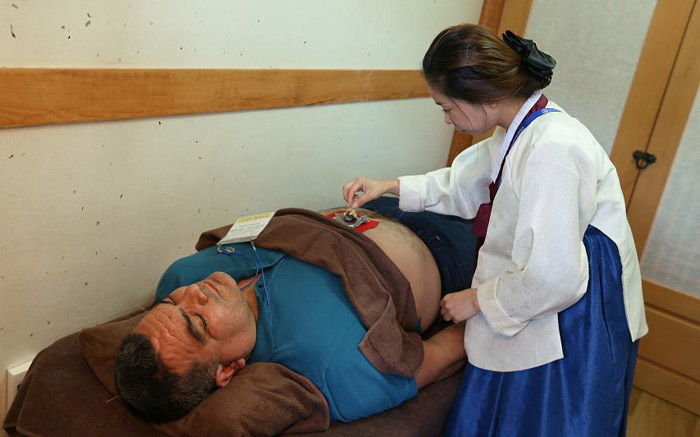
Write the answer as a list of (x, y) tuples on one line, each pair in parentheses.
[(466, 117)]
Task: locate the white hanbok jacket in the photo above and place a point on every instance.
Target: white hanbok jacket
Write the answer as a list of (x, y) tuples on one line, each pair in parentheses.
[(556, 181)]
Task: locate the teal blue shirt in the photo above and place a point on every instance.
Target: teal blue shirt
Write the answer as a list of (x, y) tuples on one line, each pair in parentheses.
[(305, 323)]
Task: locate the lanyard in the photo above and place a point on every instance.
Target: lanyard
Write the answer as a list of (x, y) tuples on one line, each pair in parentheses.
[(532, 117), (483, 215)]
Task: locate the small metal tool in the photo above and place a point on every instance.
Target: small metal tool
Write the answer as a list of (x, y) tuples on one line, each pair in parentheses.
[(349, 220), (360, 221)]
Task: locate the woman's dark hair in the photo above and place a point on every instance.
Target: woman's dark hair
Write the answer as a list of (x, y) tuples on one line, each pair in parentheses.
[(150, 390), (470, 63)]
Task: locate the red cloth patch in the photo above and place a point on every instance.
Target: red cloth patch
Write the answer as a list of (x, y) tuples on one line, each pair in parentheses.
[(362, 228)]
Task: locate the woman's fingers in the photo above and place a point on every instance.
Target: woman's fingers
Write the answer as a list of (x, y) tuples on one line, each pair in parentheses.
[(346, 190), (358, 184), (460, 306), (358, 201), (449, 308), (350, 189), (444, 310), (372, 189)]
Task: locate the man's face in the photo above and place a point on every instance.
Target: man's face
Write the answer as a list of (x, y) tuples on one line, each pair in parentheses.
[(466, 117), (205, 321)]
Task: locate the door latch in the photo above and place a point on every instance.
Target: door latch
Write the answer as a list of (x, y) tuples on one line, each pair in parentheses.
[(643, 159)]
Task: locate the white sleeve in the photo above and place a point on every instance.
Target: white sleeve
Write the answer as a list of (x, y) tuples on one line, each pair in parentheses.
[(456, 190), (551, 260)]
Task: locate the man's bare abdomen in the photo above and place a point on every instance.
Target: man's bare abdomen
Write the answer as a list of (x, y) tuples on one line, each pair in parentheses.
[(414, 260)]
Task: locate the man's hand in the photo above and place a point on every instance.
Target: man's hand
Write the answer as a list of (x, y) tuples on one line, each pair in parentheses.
[(459, 306), (373, 188)]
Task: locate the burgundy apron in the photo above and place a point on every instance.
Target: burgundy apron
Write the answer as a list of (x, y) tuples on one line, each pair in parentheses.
[(483, 214)]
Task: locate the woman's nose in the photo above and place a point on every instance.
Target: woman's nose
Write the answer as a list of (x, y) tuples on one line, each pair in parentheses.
[(448, 120)]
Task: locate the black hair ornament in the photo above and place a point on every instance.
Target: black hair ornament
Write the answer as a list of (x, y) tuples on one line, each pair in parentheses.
[(539, 63)]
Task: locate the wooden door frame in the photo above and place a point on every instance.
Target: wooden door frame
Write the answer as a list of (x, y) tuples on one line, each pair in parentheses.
[(668, 355), (649, 88), (673, 113)]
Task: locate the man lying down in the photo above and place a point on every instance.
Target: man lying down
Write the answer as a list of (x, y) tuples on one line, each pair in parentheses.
[(218, 310)]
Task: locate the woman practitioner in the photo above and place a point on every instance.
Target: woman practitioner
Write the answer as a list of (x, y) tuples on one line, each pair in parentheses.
[(555, 309)]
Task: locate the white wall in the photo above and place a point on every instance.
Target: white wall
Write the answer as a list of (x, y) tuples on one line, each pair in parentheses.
[(597, 44), (91, 214)]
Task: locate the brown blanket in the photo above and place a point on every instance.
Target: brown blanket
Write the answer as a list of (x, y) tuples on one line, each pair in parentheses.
[(61, 396), (376, 288), (268, 398)]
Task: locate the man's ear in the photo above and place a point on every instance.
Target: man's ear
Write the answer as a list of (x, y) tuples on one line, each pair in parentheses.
[(224, 373)]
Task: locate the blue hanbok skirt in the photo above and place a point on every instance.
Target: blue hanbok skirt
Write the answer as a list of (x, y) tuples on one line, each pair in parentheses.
[(586, 393)]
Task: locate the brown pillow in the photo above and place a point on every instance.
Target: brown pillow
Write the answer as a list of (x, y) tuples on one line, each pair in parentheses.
[(262, 399)]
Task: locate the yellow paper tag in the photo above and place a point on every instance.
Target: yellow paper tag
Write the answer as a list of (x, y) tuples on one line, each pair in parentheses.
[(247, 228)]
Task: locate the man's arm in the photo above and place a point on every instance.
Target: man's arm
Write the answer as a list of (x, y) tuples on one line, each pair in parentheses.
[(444, 355)]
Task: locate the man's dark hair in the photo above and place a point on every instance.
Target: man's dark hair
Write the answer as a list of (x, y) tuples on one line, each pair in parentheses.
[(150, 390)]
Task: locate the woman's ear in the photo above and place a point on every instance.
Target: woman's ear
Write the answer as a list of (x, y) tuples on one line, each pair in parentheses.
[(224, 373), (493, 104)]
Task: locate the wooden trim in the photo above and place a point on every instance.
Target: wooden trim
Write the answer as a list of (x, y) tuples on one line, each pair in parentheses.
[(673, 301), (668, 355), (499, 16), (460, 141), (36, 96), (668, 385), (666, 136), (491, 12), (654, 120), (654, 68), (515, 16), (672, 342)]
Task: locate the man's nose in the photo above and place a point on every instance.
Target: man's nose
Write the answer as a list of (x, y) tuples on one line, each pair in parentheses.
[(195, 293)]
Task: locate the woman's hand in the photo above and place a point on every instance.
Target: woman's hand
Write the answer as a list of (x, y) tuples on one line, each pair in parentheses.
[(372, 189), (459, 306)]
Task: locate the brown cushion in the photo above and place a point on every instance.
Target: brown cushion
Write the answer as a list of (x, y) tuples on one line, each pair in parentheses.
[(61, 397), (263, 399), (100, 345)]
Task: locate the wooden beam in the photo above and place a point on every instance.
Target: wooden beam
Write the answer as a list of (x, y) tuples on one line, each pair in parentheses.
[(36, 96), (672, 342), (514, 16), (654, 67), (491, 12), (677, 302), (460, 141)]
